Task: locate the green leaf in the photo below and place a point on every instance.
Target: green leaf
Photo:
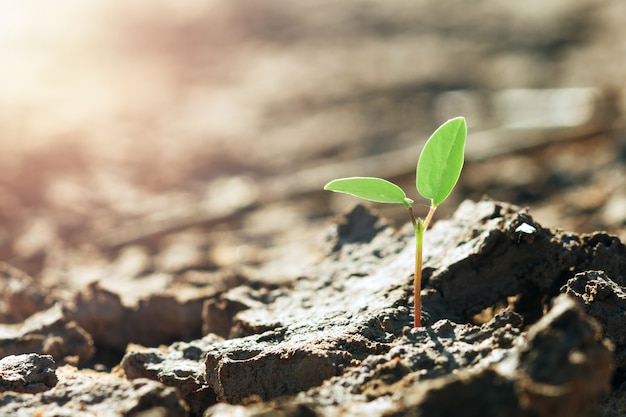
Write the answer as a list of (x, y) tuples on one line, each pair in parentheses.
[(369, 188), (441, 161)]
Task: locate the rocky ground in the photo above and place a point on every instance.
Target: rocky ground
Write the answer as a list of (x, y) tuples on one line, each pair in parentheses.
[(168, 250)]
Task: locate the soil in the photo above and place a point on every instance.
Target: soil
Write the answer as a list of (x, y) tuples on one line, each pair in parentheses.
[(210, 275)]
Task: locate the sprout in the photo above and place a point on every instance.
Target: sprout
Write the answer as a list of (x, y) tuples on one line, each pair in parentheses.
[(438, 170)]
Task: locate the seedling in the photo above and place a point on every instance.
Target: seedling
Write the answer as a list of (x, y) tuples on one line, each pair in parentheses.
[(438, 170)]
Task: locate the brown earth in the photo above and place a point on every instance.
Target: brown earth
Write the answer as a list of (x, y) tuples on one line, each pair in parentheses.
[(168, 249)]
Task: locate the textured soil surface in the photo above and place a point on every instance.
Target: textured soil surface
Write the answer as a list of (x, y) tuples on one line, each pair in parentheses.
[(518, 321), (166, 248)]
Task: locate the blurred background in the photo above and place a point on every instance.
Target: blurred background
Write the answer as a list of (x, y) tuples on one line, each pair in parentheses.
[(169, 135)]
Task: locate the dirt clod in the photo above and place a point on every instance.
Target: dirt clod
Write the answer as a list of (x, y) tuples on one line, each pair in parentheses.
[(50, 332), (28, 373)]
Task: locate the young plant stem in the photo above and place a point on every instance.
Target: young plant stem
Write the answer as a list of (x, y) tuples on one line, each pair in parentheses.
[(429, 217), (419, 227), (417, 278)]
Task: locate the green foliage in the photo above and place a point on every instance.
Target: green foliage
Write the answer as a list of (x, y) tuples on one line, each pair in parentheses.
[(372, 189), (441, 161)]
